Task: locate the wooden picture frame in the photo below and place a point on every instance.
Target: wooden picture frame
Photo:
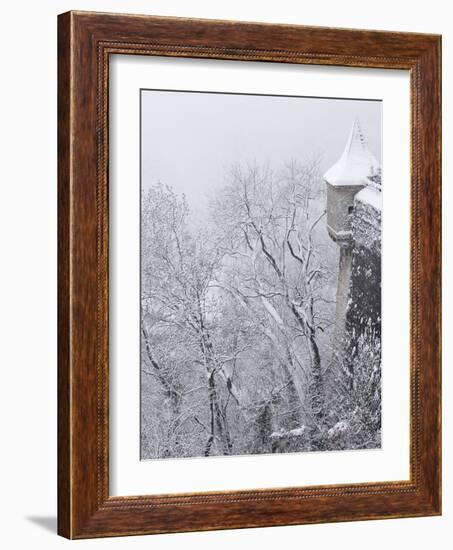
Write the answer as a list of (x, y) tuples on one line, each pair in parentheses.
[(85, 42)]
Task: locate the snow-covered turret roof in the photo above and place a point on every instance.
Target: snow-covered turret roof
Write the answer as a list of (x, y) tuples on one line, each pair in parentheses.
[(355, 164)]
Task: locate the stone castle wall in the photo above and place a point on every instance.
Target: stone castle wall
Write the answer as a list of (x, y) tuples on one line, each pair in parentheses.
[(363, 310)]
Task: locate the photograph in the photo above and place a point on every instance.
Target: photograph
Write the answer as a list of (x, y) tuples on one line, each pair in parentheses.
[(260, 268)]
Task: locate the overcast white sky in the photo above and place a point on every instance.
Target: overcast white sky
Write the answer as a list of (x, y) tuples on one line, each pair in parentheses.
[(190, 140)]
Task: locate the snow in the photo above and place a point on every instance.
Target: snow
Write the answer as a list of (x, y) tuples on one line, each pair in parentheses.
[(343, 234), (339, 429), (370, 195), (355, 164), (296, 432)]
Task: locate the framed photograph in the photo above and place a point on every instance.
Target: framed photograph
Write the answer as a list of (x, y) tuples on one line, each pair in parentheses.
[(249, 275)]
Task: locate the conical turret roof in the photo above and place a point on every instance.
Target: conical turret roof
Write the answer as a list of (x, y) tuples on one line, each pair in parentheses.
[(355, 164)]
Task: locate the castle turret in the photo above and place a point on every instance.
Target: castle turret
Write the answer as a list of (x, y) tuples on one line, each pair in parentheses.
[(348, 185), (344, 180)]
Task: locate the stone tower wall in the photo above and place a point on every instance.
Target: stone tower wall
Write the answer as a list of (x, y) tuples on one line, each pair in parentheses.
[(339, 202), (363, 311), (342, 297)]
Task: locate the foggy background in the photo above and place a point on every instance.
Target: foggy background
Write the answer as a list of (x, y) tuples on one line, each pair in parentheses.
[(190, 140)]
